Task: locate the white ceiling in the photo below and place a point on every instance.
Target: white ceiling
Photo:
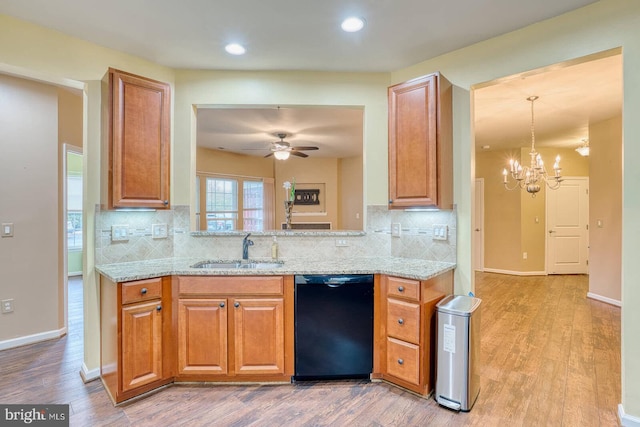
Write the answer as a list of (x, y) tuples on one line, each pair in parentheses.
[(305, 35), (286, 34)]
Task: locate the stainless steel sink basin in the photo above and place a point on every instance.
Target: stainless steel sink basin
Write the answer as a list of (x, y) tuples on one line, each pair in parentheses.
[(239, 264)]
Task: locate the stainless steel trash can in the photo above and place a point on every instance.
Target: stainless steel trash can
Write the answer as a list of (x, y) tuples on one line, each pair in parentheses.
[(458, 374)]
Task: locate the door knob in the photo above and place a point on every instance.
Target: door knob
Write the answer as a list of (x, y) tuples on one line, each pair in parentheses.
[(477, 229)]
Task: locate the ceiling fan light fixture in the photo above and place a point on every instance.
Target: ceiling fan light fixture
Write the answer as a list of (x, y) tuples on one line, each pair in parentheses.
[(352, 24), (281, 155)]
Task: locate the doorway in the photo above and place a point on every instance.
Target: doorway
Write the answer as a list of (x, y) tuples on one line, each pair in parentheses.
[(72, 219)]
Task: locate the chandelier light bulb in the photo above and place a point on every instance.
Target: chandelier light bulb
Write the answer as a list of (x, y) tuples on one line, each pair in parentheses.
[(531, 177)]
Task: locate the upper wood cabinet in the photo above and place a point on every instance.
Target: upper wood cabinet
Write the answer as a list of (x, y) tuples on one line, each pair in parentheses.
[(420, 143), (136, 117)]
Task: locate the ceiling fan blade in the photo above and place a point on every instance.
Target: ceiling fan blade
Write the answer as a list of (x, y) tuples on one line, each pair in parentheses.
[(297, 153), (269, 155), (304, 148)]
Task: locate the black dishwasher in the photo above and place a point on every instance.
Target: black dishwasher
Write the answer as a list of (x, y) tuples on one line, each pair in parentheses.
[(333, 326)]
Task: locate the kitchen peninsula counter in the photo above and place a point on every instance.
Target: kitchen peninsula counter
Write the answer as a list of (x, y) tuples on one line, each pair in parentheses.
[(409, 268)]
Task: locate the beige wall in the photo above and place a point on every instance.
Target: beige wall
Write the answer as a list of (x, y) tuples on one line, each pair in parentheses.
[(598, 27), (351, 197), (515, 221), (605, 205), (312, 170), (29, 194), (216, 161)]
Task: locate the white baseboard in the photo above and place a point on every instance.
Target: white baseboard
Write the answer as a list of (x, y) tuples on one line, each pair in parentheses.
[(627, 420), (515, 273), (74, 273), (89, 375), (604, 299), (31, 339)]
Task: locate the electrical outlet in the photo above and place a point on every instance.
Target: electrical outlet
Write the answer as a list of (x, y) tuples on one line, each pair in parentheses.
[(524, 255), (159, 231), (341, 242), (119, 233), (440, 232), (7, 305), (396, 229)]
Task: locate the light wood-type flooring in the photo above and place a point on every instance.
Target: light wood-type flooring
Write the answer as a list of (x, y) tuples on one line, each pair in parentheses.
[(549, 357)]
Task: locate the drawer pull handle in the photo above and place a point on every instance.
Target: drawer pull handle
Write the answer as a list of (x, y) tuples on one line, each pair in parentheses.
[(143, 291), (159, 307), (401, 321), (165, 202), (222, 304), (400, 288), (400, 361), (236, 304)]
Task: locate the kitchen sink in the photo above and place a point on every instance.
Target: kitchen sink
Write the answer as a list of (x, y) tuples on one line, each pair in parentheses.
[(239, 264)]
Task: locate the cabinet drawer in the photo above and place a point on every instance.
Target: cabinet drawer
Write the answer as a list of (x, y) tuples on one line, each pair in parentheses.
[(403, 320), (402, 360), (405, 288), (141, 290), (236, 285)]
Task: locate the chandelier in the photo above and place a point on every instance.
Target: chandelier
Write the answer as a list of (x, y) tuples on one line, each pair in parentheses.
[(583, 150), (535, 175)]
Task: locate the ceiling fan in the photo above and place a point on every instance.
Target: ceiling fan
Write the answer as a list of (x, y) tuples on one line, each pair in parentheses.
[(282, 149)]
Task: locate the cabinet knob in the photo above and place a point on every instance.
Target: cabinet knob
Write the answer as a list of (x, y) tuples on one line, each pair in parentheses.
[(222, 304), (143, 291), (390, 201), (158, 307), (236, 304), (401, 321), (400, 361), (400, 288), (166, 202)]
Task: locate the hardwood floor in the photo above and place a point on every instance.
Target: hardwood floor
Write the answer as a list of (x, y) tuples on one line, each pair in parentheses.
[(549, 356)]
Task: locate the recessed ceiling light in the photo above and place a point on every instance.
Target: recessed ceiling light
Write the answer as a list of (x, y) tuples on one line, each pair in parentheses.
[(353, 24), (235, 49)]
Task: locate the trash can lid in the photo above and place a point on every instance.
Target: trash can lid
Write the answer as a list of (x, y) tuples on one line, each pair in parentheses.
[(461, 305)]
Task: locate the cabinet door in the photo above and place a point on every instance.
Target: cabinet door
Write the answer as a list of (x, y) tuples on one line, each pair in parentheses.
[(420, 140), (259, 336), (202, 336), (140, 138), (141, 344)]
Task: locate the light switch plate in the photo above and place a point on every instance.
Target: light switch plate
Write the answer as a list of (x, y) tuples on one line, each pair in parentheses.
[(159, 231), (119, 233), (7, 229), (440, 232), (396, 229)]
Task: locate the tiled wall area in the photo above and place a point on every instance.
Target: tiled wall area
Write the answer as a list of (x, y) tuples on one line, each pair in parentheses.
[(415, 241)]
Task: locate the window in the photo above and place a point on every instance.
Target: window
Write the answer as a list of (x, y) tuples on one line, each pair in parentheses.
[(221, 204), (253, 206), (224, 199)]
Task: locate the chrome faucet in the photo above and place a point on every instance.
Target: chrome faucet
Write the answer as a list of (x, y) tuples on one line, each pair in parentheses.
[(245, 247)]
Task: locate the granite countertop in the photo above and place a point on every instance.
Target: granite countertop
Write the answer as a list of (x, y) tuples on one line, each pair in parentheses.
[(404, 267)]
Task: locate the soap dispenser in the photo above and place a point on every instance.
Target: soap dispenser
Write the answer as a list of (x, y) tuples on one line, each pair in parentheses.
[(274, 248)]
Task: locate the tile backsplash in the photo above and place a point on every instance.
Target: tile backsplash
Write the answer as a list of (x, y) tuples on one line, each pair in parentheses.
[(416, 238)]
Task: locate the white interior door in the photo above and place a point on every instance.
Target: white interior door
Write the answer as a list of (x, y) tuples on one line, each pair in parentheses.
[(567, 227), (478, 226)]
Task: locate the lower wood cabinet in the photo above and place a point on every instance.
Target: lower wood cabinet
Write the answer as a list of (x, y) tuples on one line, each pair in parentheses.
[(404, 344), (135, 339), (235, 328)]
